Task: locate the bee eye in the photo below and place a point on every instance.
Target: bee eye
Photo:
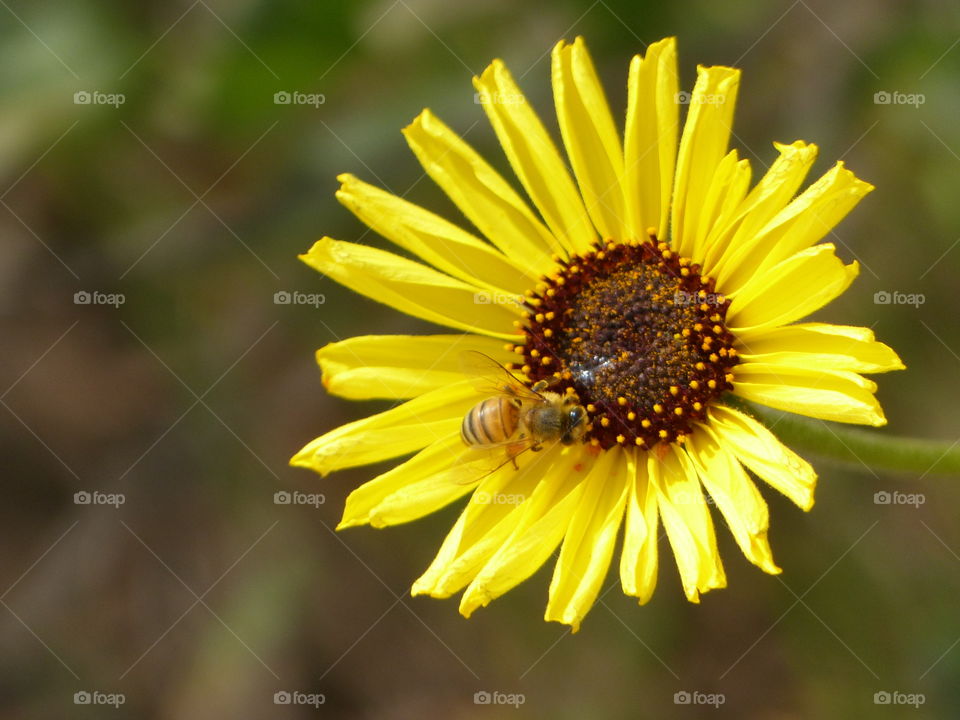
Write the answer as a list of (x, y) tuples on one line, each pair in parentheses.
[(574, 418)]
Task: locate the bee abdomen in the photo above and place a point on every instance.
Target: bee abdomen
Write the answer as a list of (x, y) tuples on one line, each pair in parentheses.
[(489, 422)]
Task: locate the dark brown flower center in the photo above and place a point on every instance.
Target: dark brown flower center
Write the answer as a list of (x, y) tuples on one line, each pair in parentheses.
[(638, 334)]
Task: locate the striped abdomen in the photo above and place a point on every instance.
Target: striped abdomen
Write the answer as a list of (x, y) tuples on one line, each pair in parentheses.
[(490, 422)]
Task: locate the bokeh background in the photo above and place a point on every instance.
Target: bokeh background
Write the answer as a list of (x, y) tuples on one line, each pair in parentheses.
[(199, 596)]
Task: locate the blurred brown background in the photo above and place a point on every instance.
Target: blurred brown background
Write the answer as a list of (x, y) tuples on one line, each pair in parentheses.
[(199, 596)]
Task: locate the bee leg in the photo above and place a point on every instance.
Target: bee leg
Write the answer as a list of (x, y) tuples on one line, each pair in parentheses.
[(513, 459)]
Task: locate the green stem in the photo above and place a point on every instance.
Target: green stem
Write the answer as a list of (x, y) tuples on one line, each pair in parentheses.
[(861, 448)]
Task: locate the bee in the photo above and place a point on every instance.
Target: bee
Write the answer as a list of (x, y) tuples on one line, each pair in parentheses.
[(516, 418)]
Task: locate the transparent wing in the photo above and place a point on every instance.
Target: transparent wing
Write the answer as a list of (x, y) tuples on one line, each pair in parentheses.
[(492, 378)]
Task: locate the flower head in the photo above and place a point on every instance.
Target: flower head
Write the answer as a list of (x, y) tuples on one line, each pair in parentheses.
[(643, 293)]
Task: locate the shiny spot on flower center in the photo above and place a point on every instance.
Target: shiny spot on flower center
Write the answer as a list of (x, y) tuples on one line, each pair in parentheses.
[(638, 334)]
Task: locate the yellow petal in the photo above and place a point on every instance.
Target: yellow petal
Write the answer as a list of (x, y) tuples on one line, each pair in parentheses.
[(687, 522), (806, 220), (724, 197), (400, 366), (760, 450), (735, 495), (534, 158), (819, 345), (400, 430), (589, 541), (590, 136), (485, 524), (791, 290), (423, 484), (415, 289), (537, 532), (482, 194), (826, 394), (702, 147), (650, 139), (638, 563), (436, 241), (775, 189)]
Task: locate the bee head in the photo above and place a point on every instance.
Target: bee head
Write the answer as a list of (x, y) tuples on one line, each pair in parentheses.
[(574, 424)]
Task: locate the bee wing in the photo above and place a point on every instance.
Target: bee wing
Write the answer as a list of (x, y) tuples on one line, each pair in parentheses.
[(492, 378)]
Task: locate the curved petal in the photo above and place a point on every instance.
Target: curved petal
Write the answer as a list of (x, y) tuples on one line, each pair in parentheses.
[(819, 345), (400, 366), (436, 241), (638, 562), (538, 530), (791, 290), (534, 158), (400, 430), (805, 221), (702, 147), (590, 136), (650, 138), (423, 484), (589, 541), (775, 189), (735, 495), (482, 194), (687, 522), (826, 394), (415, 289), (486, 523), (724, 197), (760, 450)]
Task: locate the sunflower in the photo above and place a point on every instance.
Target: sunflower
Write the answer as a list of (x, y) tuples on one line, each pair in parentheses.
[(654, 286)]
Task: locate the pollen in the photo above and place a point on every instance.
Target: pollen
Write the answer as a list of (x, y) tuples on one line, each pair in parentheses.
[(638, 333)]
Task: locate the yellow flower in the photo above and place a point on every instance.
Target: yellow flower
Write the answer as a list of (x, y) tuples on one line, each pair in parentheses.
[(650, 287)]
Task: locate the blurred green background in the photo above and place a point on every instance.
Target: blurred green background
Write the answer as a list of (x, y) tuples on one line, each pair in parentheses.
[(199, 596)]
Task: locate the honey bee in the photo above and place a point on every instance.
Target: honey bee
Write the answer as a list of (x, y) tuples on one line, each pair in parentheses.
[(516, 418)]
